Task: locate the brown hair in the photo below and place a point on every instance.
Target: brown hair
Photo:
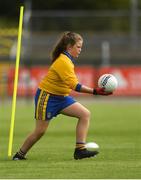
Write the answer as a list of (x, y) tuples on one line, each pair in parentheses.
[(68, 38)]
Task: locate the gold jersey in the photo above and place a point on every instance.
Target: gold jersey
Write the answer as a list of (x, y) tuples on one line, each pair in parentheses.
[(61, 78)]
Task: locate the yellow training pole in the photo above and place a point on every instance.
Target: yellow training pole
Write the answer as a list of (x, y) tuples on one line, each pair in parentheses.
[(15, 82)]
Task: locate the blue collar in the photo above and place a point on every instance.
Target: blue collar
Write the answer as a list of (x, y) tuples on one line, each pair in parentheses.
[(69, 56)]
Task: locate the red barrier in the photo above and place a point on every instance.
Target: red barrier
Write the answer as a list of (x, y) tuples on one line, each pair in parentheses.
[(129, 79), (28, 80), (24, 75)]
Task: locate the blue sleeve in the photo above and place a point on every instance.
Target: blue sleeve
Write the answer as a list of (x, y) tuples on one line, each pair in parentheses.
[(78, 87)]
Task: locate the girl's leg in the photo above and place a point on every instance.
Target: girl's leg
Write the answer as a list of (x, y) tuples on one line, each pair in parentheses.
[(39, 131), (79, 111), (83, 115)]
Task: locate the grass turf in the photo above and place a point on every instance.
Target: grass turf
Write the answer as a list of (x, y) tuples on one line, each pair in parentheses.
[(115, 126)]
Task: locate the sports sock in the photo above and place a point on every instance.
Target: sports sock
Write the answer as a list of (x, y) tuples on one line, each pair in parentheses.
[(21, 153), (80, 145)]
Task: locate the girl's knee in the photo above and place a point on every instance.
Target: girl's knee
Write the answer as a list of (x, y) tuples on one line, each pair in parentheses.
[(87, 113), (40, 132), (41, 127)]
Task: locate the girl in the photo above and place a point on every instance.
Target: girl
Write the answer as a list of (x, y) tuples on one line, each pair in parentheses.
[(52, 96)]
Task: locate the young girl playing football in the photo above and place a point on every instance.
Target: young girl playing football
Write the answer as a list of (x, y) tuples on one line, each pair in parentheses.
[(52, 97)]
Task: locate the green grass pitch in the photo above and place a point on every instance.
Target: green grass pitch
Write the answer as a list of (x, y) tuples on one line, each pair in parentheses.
[(115, 126)]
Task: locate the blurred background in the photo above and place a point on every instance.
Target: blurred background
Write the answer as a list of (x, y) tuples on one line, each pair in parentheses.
[(112, 42)]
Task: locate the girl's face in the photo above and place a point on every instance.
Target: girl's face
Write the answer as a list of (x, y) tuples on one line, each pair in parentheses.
[(75, 50)]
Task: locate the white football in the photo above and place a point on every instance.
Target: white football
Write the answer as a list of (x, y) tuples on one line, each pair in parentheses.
[(91, 145), (108, 81)]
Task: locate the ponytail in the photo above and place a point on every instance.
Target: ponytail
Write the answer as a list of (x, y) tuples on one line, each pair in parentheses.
[(68, 38)]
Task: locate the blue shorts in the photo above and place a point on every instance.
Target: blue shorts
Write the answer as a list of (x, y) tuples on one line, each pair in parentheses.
[(48, 106)]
